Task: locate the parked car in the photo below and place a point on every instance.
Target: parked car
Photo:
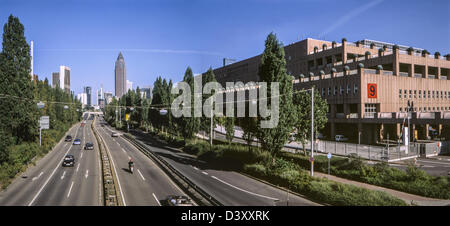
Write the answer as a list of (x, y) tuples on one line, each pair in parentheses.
[(68, 138), (69, 160), (114, 134), (178, 200), (77, 141), (89, 146), (340, 138)]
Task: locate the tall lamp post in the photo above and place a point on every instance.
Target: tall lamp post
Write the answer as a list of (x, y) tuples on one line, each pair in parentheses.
[(409, 109), (312, 131), (40, 105)]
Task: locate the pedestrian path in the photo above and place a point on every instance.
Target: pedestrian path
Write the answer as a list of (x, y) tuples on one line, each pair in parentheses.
[(408, 198)]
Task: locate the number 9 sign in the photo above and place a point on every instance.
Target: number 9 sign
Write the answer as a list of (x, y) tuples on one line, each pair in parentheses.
[(372, 90)]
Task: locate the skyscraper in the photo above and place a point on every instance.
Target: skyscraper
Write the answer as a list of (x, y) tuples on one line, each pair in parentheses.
[(88, 91), (61, 79), (120, 76), (108, 97)]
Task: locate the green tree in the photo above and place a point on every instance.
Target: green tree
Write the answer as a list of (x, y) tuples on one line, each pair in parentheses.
[(189, 126), (273, 69), (229, 128), (206, 121), (248, 125), (18, 116), (302, 103)]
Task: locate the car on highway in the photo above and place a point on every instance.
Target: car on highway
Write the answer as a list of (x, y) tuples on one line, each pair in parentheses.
[(114, 134), (68, 138), (340, 138), (77, 141), (69, 160), (89, 146), (178, 200)]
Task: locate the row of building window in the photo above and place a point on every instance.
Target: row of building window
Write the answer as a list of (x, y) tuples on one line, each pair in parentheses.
[(431, 94), (429, 109), (341, 90)]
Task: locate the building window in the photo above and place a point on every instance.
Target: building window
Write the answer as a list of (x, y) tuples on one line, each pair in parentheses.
[(420, 94), (420, 108), (404, 93), (415, 93), (433, 95), (323, 91), (410, 92), (355, 89), (429, 96), (341, 90), (335, 91), (400, 109), (329, 91), (442, 94), (348, 89), (400, 93)]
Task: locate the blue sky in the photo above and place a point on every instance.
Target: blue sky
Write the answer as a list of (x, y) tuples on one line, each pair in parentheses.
[(162, 38)]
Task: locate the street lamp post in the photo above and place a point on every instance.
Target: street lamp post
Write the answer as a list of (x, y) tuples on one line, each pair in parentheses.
[(40, 105), (312, 131)]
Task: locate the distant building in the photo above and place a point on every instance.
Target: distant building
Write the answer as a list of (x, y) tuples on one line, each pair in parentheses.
[(108, 97), (88, 91), (146, 92), (61, 79), (82, 97), (129, 86), (120, 76), (101, 103)]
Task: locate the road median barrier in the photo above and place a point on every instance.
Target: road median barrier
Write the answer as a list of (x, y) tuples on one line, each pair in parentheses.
[(199, 195), (111, 194)]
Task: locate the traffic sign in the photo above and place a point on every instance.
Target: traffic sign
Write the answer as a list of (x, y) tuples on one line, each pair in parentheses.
[(127, 117), (329, 155), (311, 159), (44, 122)]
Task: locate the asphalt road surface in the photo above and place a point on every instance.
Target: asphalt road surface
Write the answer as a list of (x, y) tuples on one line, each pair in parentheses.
[(228, 187), (49, 183), (148, 185)]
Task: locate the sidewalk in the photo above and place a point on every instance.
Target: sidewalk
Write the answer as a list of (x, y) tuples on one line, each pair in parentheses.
[(408, 198)]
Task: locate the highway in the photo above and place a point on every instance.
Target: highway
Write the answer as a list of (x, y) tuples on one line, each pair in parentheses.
[(148, 185), (50, 184), (229, 188)]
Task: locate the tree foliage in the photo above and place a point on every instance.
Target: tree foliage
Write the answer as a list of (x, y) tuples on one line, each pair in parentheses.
[(273, 69)]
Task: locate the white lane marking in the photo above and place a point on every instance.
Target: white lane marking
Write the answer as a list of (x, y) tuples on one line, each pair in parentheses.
[(51, 175), (154, 196), (195, 167), (124, 151), (62, 177), (141, 174), (70, 190), (86, 175), (115, 171), (81, 155), (34, 178), (204, 172), (78, 166), (263, 196)]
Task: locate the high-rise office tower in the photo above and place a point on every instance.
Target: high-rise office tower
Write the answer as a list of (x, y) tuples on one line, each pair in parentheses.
[(64, 76), (146, 92), (61, 79), (88, 91), (120, 76)]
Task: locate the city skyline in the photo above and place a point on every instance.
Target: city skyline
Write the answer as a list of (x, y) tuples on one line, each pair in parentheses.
[(153, 47)]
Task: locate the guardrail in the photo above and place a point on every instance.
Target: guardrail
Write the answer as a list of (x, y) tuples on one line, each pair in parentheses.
[(111, 194), (198, 194)]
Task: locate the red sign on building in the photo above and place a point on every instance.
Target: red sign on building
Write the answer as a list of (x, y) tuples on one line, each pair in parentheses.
[(372, 90)]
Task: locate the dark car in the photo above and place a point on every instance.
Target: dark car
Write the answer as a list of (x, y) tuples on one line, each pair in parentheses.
[(178, 200), (68, 138), (89, 146), (69, 160)]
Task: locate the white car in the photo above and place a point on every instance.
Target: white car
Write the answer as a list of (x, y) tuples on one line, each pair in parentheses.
[(340, 138), (114, 134)]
